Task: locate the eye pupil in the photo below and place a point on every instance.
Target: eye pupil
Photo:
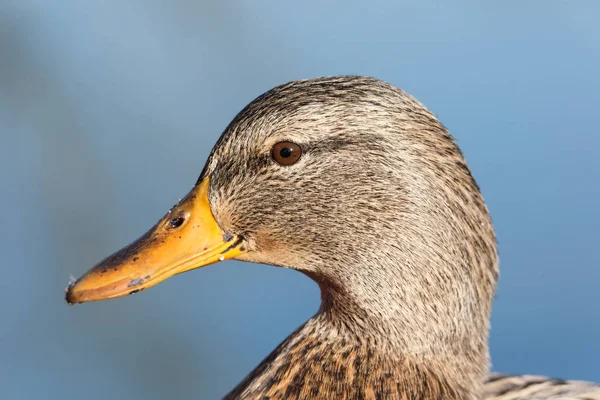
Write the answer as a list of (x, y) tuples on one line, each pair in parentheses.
[(176, 222), (285, 152)]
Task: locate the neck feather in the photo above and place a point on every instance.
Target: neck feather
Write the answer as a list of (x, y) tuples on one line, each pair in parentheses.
[(325, 360)]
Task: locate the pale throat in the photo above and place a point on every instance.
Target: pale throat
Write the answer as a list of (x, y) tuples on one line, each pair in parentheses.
[(409, 311)]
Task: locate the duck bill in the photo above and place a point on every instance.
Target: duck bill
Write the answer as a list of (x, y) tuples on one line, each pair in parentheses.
[(188, 237)]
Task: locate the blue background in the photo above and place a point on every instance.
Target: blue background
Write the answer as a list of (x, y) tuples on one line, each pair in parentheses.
[(109, 109)]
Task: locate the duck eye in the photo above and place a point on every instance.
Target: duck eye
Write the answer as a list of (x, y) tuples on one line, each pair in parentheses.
[(286, 153), (176, 222)]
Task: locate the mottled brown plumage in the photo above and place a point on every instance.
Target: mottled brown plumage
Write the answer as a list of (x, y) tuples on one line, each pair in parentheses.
[(381, 211)]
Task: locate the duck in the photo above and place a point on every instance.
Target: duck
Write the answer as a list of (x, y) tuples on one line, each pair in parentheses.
[(356, 184)]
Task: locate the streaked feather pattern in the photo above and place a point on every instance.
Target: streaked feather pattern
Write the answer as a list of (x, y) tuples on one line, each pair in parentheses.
[(383, 213), (534, 387)]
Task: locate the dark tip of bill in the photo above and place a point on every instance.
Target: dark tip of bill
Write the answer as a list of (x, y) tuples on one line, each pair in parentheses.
[(68, 293)]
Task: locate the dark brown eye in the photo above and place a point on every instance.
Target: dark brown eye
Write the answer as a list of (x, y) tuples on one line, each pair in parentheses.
[(286, 153)]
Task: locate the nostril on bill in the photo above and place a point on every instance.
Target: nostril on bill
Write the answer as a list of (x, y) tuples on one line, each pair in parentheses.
[(176, 222)]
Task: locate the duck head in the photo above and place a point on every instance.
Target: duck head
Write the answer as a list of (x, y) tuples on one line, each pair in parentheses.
[(354, 183)]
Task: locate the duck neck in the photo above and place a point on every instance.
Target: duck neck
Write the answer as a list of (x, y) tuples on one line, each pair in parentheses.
[(434, 346)]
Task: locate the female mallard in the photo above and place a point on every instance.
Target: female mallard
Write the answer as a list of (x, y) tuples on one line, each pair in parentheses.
[(356, 184)]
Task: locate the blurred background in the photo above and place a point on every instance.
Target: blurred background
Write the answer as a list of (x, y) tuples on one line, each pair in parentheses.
[(108, 111)]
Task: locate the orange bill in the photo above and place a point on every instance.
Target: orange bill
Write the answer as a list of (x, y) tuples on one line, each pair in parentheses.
[(188, 237)]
